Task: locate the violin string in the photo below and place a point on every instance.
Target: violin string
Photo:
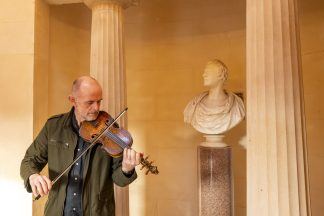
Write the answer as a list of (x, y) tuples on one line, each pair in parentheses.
[(116, 139), (121, 143)]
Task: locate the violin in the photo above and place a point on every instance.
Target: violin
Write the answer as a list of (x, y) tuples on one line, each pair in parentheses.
[(113, 139)]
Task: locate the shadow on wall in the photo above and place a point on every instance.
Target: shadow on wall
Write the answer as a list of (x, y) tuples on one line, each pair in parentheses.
[(185, 17)]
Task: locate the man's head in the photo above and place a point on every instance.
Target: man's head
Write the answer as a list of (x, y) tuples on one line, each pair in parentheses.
[(215, 73), (86, 97)]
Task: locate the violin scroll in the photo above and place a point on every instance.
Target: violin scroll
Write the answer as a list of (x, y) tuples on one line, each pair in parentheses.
[(148, 165)]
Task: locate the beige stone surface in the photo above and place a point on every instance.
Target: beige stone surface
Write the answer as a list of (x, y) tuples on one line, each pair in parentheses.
[(59, 2), (41, 82), (123, 3), (20, 33), (312, 44), (16, 108), (69, 52), (17, 11), (167, 44), (41, 64)]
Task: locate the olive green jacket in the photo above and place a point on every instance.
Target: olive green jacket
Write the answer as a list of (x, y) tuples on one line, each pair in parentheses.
[(55, 145)]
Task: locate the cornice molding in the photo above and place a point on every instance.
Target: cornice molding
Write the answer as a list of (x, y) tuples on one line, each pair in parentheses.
[(60, 2), (123, 3)]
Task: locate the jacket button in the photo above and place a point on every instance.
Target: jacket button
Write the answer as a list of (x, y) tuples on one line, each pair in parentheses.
[(67, 144)]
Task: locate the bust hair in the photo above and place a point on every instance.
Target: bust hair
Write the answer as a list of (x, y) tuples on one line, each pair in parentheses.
[(219, 63)]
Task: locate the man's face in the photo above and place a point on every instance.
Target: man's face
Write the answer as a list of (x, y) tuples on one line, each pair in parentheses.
[(212, 75), (87, 103)]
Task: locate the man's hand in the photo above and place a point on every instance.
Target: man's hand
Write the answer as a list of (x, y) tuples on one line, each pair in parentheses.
[(40, 184), (130, 160)]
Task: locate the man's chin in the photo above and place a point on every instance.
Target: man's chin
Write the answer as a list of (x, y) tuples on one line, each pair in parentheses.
[(92, 117)]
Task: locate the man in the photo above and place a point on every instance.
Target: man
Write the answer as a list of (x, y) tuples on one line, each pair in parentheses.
[(88, 187)]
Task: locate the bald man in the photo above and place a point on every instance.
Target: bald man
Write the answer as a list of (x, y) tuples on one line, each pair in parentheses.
[(88, 187)]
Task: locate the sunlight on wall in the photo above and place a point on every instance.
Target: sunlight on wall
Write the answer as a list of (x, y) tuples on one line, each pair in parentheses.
[(14, 200), (138, 188), (16, 108)]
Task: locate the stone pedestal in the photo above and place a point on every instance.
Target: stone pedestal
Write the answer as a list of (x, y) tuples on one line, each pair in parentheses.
[(215, 177), (276, 150)]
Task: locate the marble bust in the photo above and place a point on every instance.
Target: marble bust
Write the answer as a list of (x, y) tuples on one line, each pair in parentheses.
[(217, 110)]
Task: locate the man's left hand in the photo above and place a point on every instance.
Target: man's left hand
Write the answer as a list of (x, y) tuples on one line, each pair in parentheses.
[(131, 159)]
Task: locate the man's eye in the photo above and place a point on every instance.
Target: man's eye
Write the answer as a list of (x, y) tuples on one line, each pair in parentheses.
[(90, 102)]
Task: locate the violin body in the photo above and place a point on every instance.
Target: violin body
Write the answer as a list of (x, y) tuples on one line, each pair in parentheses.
[(113, 141)]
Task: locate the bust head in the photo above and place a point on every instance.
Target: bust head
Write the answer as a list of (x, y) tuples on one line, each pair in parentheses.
[(215, 73)]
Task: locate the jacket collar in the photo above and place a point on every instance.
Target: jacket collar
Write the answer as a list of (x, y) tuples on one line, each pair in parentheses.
[(67, 122)]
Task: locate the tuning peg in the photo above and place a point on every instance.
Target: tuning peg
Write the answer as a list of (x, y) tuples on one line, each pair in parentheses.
[(156, 171), (148, 165)]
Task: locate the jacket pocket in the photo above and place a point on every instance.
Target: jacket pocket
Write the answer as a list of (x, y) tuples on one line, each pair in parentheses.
[(60, 154), (58, 143)]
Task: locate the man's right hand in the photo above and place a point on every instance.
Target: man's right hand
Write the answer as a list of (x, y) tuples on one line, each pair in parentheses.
[(40, 184)]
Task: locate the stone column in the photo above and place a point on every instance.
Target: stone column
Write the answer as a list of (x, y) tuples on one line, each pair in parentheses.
[(215, 177), (107, 65), (277, 176)]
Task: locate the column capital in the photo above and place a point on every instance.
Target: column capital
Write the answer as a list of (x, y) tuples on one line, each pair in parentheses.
[(123, 3), (59, 2)]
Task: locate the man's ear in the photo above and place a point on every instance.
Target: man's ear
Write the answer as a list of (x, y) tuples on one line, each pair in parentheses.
[(71, 99)]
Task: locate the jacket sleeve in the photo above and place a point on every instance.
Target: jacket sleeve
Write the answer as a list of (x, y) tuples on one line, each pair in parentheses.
[(118, 176), (35, 158)]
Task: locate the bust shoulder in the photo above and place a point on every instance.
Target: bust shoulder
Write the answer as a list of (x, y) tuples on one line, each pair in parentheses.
[(191, 106)]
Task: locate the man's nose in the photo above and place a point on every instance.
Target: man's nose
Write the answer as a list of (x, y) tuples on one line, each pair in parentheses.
[(96, 105)]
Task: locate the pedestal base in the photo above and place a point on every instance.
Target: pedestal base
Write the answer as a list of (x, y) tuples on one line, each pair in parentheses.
[(215, 181)]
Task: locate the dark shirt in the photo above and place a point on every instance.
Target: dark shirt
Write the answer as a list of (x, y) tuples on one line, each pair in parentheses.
[(73, 200)]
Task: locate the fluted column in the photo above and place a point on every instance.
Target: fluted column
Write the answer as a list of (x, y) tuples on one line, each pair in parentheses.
[(276, 154), (107, 52), (107, 65)]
